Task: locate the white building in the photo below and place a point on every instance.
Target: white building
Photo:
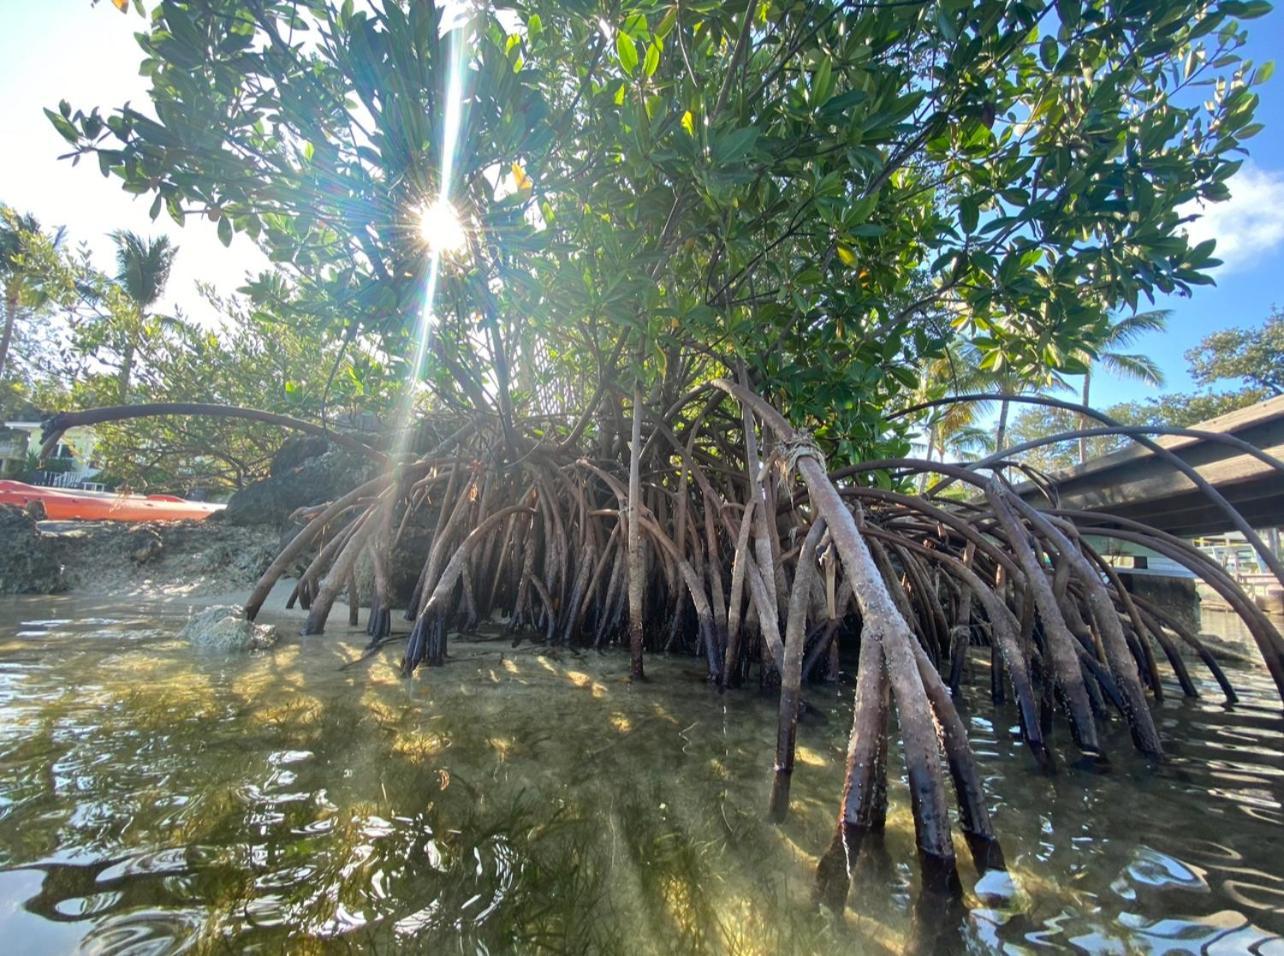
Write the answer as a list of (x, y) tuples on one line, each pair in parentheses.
[(70, 465)]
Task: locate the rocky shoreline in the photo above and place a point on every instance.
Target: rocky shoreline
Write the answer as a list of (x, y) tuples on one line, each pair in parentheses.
[(223, 554), (191, 558)]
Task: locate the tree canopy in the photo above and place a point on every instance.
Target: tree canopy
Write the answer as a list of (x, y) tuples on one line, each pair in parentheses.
[(33, 352), (1255, 356), (255, 359), (827, 193), (83, 337)]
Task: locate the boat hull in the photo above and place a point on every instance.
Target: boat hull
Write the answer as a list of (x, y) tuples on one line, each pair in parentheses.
[(62, 504)]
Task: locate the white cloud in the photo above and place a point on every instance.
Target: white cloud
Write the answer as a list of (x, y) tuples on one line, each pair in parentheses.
[(1247, 226)]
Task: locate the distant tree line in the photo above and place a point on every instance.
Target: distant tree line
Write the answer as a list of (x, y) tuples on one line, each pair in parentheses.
[(75, 336), (1249, 360)]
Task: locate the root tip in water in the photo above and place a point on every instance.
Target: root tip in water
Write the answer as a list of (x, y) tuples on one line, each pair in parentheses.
[(995, 887)]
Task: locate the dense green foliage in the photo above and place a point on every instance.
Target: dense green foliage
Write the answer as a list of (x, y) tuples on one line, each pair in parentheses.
[(85, 338), (255, 360), (34, 356), (826, 192)]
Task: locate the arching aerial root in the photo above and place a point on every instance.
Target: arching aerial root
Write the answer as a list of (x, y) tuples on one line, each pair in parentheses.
[(716, 530)]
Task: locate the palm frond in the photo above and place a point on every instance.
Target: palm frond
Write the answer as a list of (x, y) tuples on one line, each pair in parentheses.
[(1124, 332), (143, 265), (970, 441), (1139, 368)]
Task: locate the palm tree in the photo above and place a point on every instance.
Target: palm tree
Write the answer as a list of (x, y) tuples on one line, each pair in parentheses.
[(959, 367), (1139, 368), (142, 269), (965, 443), (956, 427), (1008, 383)]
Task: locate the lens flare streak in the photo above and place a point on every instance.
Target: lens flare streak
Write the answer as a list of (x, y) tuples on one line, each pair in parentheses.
[(439, 226)]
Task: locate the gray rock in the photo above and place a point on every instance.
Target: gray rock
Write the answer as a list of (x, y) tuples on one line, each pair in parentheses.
[(145, 543), (295, 451), (223, 627), (29, 561), (315, 479)]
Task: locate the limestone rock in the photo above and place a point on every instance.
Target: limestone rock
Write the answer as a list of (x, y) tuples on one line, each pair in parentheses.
[(223, 627), (145, 543), (296, 483), (28, 559)]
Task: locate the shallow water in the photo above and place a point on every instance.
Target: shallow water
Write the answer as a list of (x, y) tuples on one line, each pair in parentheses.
[(154, 799)]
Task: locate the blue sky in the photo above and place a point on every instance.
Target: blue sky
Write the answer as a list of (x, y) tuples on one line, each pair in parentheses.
[(56, 49), (1250, 240)]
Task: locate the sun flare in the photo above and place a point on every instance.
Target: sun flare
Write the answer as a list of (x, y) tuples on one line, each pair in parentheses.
[(441, 228)]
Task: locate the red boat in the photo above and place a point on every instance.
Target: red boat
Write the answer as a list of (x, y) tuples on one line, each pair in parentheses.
[(66, 504)]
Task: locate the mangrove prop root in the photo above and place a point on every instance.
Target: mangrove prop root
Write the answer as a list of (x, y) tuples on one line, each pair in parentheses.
[(791, 672), (686, 527), (864, 802)]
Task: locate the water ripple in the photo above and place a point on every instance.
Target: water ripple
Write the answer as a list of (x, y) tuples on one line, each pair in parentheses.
[(153, 801)]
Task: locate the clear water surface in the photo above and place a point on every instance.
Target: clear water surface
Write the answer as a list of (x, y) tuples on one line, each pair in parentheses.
[(154, 799)]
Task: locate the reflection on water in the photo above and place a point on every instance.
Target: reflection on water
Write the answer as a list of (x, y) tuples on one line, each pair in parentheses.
[(155, 799)]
